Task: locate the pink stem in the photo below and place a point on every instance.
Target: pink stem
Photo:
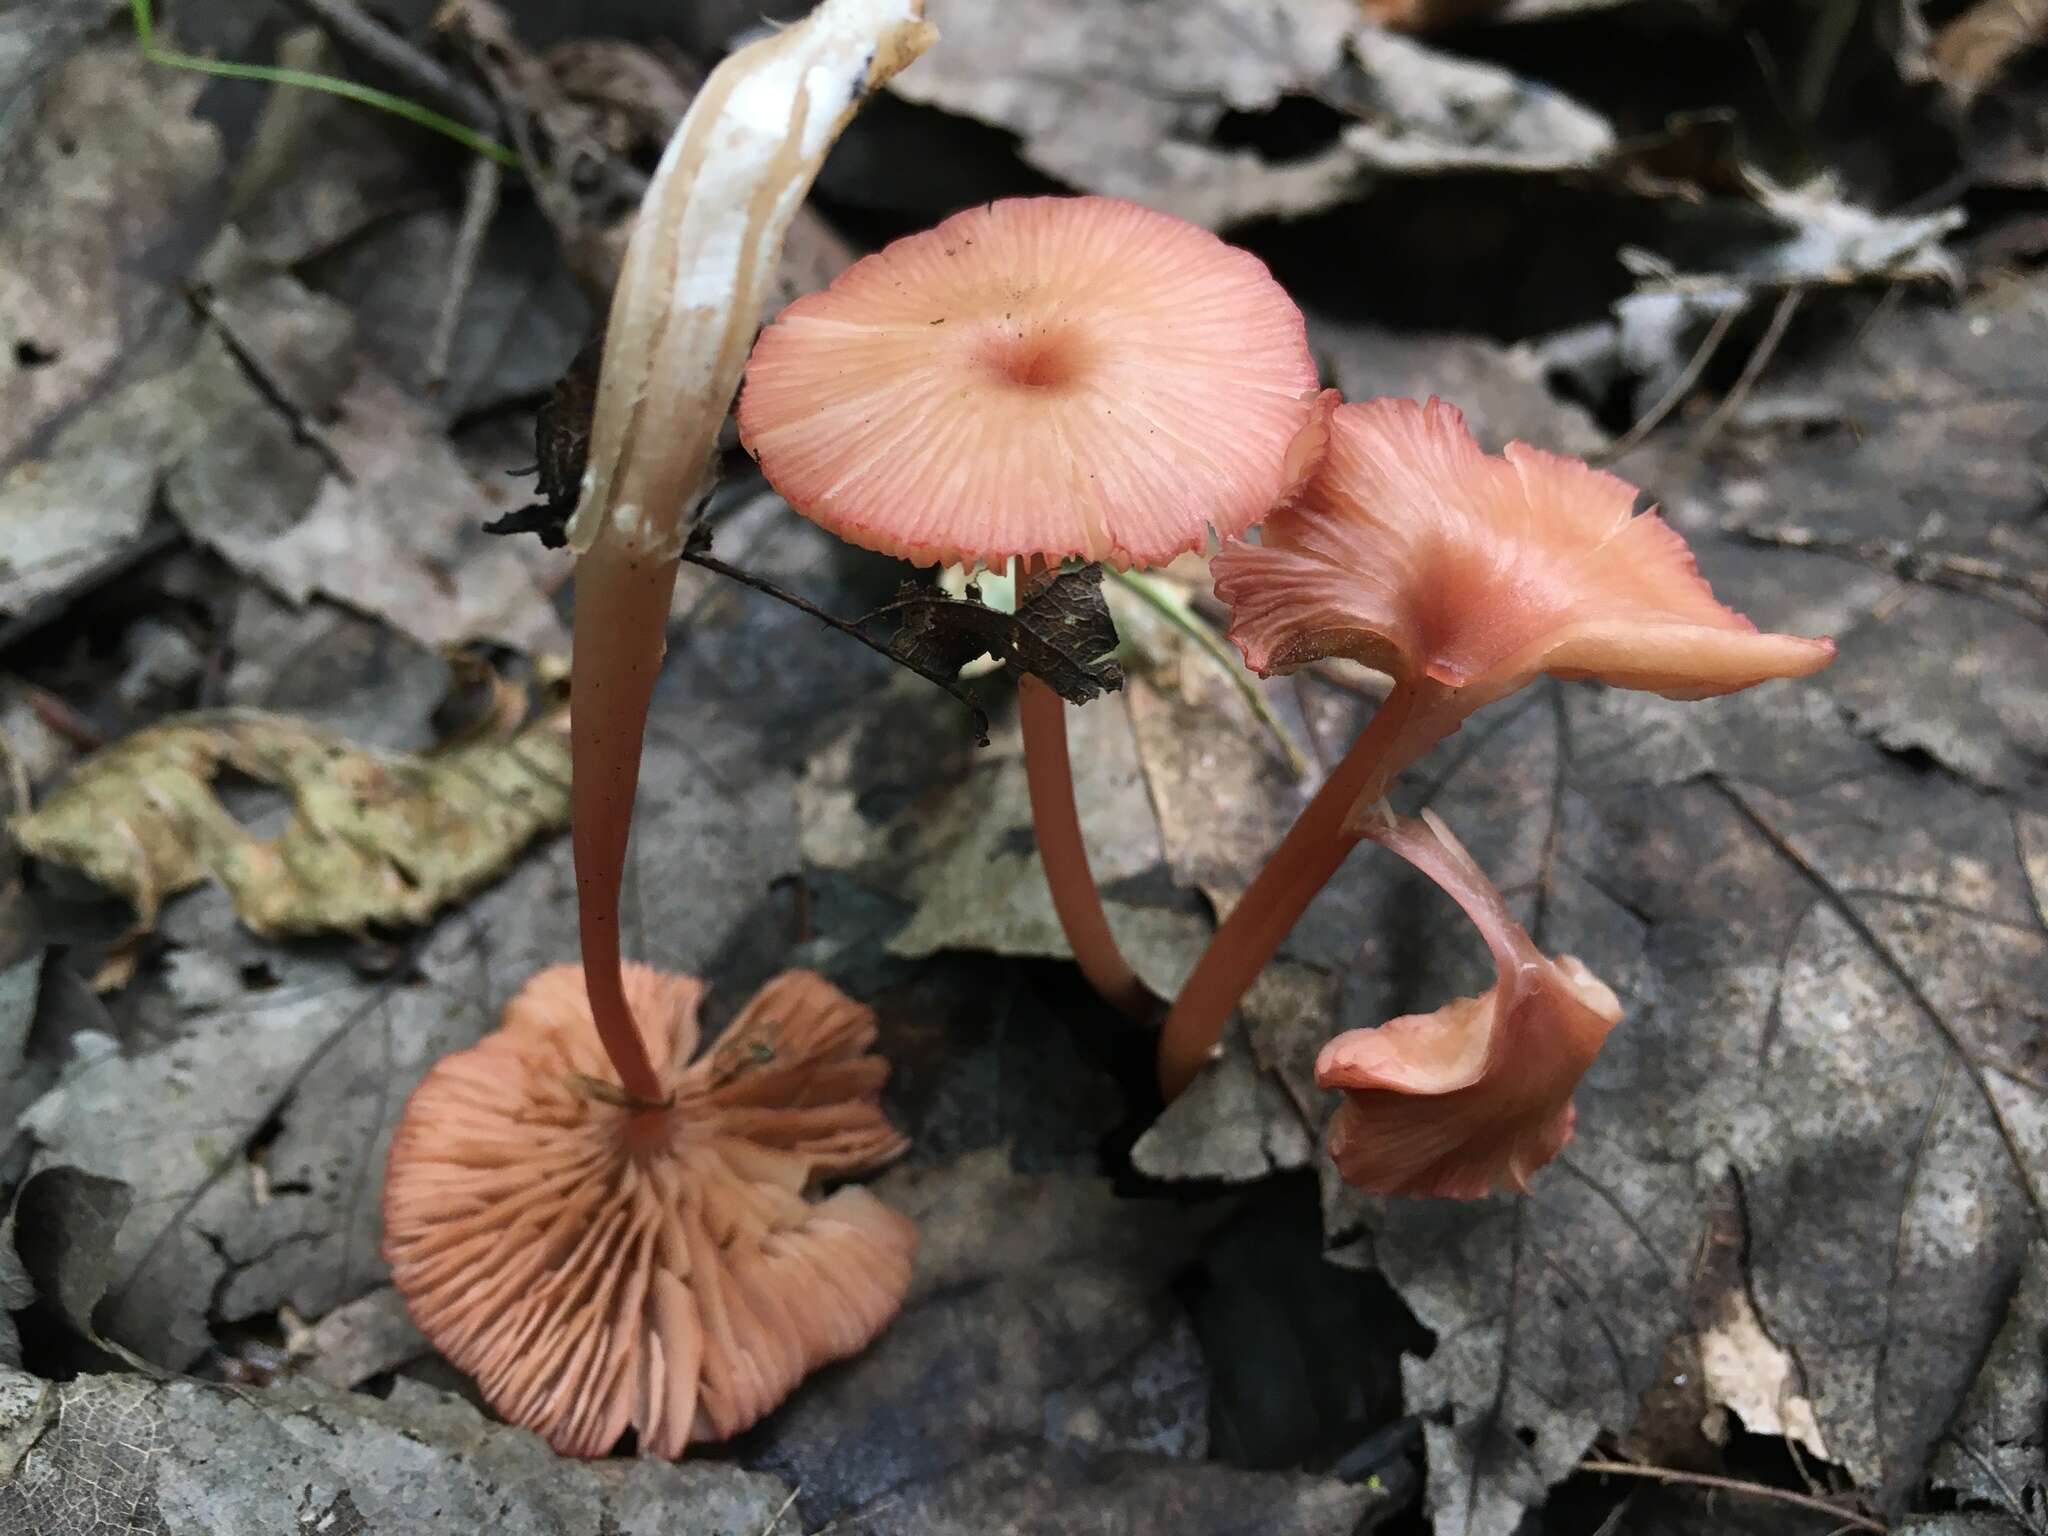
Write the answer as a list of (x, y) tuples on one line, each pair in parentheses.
[(622, 605), (1056, 822), (1403, 728)]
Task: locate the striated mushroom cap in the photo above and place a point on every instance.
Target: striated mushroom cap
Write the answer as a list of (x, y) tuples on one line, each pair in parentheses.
[(1477, 1095), (1414, 552), (599, 1266), (1045, 376)]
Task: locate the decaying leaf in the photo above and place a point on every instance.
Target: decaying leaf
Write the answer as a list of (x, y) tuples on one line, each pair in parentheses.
[(374, 837), (124, 1453), (1996, 1452), (1148, 129), (1061, 634), (1041, 1322)]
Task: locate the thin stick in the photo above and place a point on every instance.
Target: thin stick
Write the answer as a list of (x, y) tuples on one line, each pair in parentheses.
[(479, 207), (1849, 1519), (1680, 387), (852, 628), (1760, 359)]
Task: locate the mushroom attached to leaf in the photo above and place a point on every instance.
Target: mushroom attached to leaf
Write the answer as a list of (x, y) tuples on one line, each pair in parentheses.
[(1040, 379), (1477, 1095), (1464, 575), (599, 1265)]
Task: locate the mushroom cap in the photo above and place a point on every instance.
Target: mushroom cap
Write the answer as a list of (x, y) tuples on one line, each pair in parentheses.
[(598, 1268), (1044, 376), (1478, 1094), (1411, 550)]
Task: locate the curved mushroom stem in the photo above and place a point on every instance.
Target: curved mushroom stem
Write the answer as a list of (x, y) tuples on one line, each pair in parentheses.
[(1406, 725), (1056, 822), (622, 604)]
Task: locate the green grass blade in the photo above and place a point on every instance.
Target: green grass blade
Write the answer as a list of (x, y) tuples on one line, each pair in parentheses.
[(369, 96)]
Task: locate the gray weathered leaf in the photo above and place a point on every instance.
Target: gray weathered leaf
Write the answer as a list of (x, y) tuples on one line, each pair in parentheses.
[(1041, 1329), (122, 1453), (1996, 1452), (1145, 126)]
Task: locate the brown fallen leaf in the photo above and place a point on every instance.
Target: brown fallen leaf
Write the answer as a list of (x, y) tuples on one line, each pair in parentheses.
[(1973, 50), (374, 837)]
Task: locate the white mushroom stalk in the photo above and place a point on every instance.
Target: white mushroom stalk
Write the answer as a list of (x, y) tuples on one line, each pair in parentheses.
[(682, 320)]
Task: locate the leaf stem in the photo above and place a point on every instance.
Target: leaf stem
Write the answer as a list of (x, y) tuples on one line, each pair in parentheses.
[(1819, 1506)]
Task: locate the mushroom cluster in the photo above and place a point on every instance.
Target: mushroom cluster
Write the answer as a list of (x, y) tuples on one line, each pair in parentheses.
[(1054, 378)]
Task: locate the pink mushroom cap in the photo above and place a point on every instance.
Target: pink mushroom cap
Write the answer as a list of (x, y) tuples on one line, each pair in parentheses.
[(599, 1266), (1041, 377), (1477, 1095), (1411, 550)]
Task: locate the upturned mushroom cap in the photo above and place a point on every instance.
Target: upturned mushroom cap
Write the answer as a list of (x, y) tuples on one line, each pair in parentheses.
[(1414, 552), (597, 1267), (1048, 376), (1478, 1094)]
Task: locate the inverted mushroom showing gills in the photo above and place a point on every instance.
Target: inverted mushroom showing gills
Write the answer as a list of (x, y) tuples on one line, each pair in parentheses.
[(1040, 379), (1464, 575), (1477, 1095), (599, 1267)]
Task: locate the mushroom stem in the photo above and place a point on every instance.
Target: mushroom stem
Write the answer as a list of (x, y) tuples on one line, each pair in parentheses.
[(622, 605), (1056, 821), (1404, 727)]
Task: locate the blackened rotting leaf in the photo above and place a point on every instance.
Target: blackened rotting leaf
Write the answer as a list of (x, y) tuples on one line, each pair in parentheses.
[(561, 449), (63, 1228), (1062, 634)]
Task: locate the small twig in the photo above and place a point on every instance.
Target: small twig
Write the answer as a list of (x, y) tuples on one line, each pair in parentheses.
[(775, 1519), (377, 44), (1760, 359), (1680, 386), (1735, 1485), (479, 207), (852, 628)]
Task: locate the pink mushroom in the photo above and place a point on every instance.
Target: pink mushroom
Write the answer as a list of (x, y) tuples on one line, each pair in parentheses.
[(1465, 576), (1040, 379), (1477, 1095), (600, 1266)]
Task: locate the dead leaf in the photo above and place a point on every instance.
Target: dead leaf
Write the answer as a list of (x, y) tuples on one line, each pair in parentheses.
[(1996, 1452), (1973, 49), (1060, 634), (374, 837), (1041, 1326), (1148, 128), (113, 161), (103, 1453)]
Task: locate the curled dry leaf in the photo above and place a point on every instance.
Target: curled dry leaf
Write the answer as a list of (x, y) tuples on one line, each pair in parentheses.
[(374, 837), (1061, 634)]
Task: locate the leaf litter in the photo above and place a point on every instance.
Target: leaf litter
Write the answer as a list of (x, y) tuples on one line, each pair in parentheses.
[(1808, 1172)]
